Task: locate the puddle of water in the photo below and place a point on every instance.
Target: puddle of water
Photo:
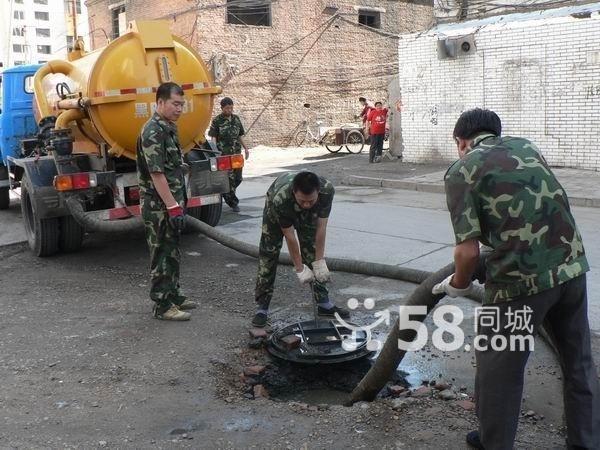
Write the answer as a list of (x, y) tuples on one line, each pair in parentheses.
[(316, 397)]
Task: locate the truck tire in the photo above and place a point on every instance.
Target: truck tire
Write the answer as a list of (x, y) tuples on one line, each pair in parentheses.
[(4, 198), (42, 234), (209, 214), (71, 234), (4, 192)]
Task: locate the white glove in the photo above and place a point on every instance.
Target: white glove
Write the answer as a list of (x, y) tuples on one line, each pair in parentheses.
[(321, 271), (306, 276), (446, 288)]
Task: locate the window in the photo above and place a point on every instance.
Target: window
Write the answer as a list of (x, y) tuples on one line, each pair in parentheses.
[(28, 84), (42, 32), (19, 31), (118, 21), (69, 6), (250, 12), (18, 48), (41, 15), (369, 18), (20, 2), (45, 49), (41, 2), (69, 43), (41, 61), (19, 15), (19, 63)]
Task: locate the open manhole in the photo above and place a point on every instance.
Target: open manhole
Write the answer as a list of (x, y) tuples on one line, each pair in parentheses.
[(319, 342)]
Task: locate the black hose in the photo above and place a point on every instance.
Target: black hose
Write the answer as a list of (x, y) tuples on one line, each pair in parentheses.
[(134, 224), (92, 223)]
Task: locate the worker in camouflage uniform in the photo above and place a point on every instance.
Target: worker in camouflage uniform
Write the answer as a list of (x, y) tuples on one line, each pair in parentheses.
[(297, 203), (502, 193), (163, 197), (227, 130)]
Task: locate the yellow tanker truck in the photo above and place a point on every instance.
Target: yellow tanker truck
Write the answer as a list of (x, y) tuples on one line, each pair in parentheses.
[(79, 171)]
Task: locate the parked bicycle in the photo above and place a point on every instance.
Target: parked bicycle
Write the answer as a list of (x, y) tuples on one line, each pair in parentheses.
[(333, 138)]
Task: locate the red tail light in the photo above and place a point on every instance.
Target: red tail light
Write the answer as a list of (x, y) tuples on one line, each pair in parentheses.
[(80, 180), (224, 163), (73, 181)]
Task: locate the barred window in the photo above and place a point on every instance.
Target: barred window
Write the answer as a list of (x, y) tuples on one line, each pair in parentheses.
[(249, 12)]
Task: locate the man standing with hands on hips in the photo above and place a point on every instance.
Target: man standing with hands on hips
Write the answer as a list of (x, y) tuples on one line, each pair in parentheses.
[(163, 198), (297, 203), (502, 193)]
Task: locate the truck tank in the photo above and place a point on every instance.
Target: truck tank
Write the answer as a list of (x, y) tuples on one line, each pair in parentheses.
[(107, 95)]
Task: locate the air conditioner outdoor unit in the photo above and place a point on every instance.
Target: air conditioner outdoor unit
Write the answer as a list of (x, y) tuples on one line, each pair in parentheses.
[(453, 47)]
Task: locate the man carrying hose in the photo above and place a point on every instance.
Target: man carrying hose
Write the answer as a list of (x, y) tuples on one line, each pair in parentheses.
[(297, 203), (502, 193), (163, 198)]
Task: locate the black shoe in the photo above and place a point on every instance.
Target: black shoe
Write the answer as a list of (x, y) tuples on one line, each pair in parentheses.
[(343, 313), (259, 320), (235, 208), (473, 440)]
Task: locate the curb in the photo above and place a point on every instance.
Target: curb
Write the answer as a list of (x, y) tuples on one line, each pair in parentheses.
[(357, 180), (436, 188)]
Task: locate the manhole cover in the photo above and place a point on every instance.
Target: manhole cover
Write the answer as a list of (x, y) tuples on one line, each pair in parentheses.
[(320, 342)]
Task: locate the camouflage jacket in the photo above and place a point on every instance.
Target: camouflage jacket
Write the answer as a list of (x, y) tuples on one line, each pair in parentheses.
[(281, 206), (504, 194), (158, 150), (227, 131)]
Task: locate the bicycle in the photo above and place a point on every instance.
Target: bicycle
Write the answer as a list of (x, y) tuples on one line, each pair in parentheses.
[(354, 140)]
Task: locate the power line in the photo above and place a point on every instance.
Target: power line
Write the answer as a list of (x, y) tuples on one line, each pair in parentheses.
[(292, 72)]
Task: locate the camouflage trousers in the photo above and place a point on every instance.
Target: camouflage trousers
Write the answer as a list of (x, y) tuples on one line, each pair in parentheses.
[(165, 256), (235, 179), (271, 241)]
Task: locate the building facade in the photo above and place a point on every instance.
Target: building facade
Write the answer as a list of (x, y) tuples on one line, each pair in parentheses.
[(36, 31), (273, 57), (538, 71)]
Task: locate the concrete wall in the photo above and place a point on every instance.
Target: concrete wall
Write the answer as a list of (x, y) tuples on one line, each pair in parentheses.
[(347, 61), (540, 76)]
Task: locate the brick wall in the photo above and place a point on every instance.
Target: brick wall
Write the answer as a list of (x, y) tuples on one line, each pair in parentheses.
[(540, 76), (347, 61)]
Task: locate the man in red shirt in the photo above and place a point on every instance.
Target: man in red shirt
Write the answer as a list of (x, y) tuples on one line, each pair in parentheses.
[(376, 125)]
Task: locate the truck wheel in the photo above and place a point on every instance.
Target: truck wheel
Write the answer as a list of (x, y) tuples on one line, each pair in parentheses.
[(42, 234), (71, 234), (4, 198), (4, 192), (209, 214)]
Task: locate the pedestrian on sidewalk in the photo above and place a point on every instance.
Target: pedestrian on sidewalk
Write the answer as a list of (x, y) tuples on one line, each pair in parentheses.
[(502, 193), (227, 133), (297, 203), (376, 121), (163, 199)]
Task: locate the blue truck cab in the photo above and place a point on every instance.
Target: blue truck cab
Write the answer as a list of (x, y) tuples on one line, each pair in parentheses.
[(17, 121)]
